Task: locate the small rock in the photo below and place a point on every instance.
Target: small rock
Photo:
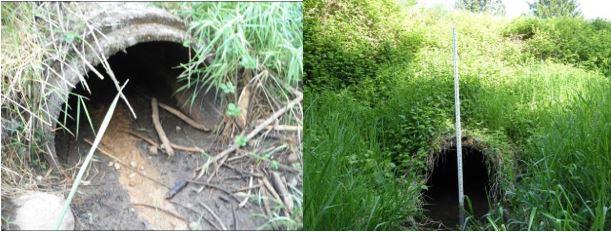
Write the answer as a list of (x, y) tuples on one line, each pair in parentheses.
[(117, 166), (131, 175), (110, 164), (133, 164), (153, 150), (39, 211), (141, 168), (39, 178), (178, 128)]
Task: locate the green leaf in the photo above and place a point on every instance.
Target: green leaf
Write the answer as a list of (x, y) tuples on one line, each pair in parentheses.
[(233, 110), (240, 141), (227, 87), (186, 43), (70, 37), (248, 62)]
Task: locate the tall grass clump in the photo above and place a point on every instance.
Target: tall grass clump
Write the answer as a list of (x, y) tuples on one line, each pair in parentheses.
[(230, 39), (566, 181), (351, 181)]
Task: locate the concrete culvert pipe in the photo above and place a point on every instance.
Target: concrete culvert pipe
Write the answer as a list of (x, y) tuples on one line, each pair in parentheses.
[(142, 43)]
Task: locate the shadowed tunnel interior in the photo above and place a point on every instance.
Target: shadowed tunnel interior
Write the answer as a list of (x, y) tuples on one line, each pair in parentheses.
[(442, 194), (152, 69)]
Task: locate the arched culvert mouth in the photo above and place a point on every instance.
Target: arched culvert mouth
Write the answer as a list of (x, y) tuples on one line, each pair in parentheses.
[(152, 69), (441, 197)]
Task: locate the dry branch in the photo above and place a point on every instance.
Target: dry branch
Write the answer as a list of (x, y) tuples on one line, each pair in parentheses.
[(162, 210), (213, 215), (216, 187), (281, 189), (195, 149), (258, 129), (164, 139), (184, 117)]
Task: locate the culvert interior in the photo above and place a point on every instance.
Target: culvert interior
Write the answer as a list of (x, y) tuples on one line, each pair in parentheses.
[(442, 194), (152, 69), (112, 193)]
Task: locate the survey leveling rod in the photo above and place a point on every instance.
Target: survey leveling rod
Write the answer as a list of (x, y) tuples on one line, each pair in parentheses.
[(461, 197)]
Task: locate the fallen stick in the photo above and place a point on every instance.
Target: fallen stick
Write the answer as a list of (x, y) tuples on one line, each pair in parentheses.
[(282, 191), (126, 165), (265, 200), (216, 187), (213, 215), (184, 117), (196, 212), (162, 210), (246, 188), (140, 136), (256, 131), (216, 169), (243, 203), (164, 139), (284, 128), (175, 146)]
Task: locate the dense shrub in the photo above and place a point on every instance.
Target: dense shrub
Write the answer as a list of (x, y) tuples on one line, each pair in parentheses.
[(347, 41), (568, 40), (526, 99)]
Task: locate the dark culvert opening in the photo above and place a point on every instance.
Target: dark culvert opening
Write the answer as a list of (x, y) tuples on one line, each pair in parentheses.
[(442, 194), (152, 70)]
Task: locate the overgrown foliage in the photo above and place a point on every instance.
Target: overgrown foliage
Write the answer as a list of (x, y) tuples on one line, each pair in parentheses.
[(574, 41), (555, 8), (352, 40), (529, 112), (232, 37), (490, 6)]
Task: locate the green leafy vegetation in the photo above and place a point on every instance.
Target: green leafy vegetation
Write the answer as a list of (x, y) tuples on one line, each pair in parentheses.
[(542, 119), (555, 8)]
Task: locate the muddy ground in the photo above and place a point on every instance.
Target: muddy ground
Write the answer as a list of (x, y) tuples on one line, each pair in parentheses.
[(113, 197)]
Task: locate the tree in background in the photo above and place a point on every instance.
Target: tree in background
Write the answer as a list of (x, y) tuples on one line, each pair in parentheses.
[(555, 8), (496, 7)]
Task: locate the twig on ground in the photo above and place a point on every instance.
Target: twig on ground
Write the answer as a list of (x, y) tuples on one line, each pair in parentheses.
[(235, 220), (246, 188), (243, 203), (216, 169), (194, 149), (216, 187), (162, 210), (271, 189), (256, 131), (262, 191), (198, 213), (107, 153), (242, 171), (140, 136), (164, 139), (213, 215), (284, 128), (184, 117), (282, 191)]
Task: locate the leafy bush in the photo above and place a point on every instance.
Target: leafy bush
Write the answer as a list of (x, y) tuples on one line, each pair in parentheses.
[(343, 134), (347, 41), (569, 40)]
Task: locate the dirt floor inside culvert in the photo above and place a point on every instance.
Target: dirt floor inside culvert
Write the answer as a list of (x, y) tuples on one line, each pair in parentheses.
[(114, 197)]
